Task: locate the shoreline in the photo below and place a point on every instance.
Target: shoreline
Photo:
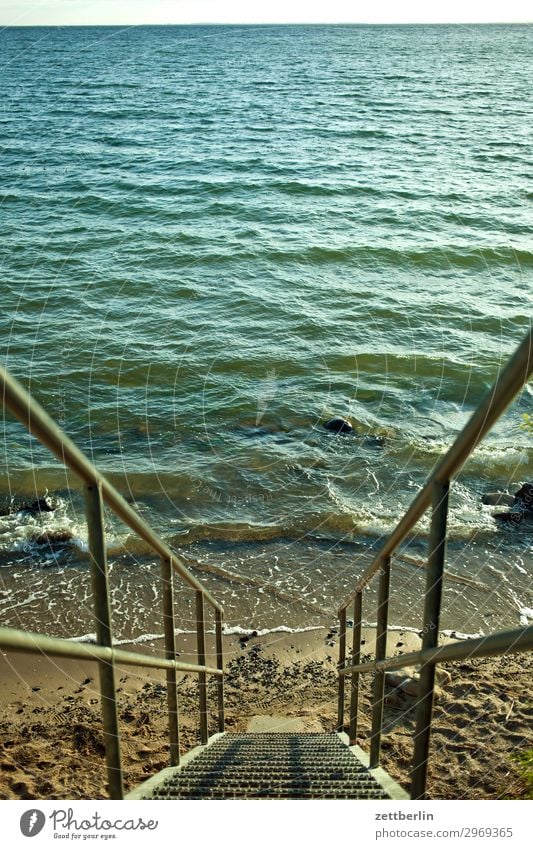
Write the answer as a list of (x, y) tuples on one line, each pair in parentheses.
[(270, 586), (51, 742)]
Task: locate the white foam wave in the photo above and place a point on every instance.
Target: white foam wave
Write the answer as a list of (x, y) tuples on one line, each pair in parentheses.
[(240, 631), (23, 531), (526, 615), (236, 630), (449, 632), (142, 638)]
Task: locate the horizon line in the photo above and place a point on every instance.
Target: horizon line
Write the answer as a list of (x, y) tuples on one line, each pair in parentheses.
[(274, 24)]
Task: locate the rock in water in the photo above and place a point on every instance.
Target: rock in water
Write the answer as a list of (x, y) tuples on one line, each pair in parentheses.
[(41, 505), (522, 506), (524, 497), (53, 538), (338, 425), (496, 498), (373, 441), (513, 517)]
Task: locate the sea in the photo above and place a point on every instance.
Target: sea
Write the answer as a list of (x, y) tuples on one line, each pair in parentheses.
[(215, 238)]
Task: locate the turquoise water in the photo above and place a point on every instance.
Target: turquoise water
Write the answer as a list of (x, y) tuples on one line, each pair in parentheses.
[(214, 238)]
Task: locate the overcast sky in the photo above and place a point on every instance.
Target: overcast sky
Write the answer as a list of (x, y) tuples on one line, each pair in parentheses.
[(64, 12)]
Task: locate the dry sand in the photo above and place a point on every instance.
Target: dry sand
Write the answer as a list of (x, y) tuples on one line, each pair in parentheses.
[(51, 743)]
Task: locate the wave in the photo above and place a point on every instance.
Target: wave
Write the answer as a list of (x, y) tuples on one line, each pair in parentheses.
[(258, 184), (526, 616), (227, 631), (62, 549), (250, 631), (346, 520), (38, 533), (439, 259)]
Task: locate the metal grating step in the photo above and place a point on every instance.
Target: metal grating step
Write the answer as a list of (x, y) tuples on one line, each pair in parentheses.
[(259, 765)]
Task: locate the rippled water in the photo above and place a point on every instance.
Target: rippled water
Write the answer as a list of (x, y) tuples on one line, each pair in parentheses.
[(214, 238)]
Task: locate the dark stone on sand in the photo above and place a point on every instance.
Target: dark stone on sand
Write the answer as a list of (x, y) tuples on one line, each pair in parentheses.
[(338, 425), (22, 789), (245, 638)]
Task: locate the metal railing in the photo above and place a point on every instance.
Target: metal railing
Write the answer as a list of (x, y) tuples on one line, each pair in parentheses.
[(434, 494), (98, 490)]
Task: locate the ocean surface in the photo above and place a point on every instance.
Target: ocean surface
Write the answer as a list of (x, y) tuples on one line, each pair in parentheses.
[(214, 239)]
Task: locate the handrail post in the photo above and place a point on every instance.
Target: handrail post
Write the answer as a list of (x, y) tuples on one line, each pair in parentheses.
[(430, 635), (202, 681), (220, 665), (342, 661), (170, 654), (104, 636), (378, 689), (356, 658)]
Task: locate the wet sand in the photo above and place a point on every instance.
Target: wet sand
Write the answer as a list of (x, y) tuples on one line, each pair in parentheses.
[(51, 742)]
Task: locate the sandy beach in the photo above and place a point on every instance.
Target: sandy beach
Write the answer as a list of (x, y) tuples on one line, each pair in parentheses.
[(51, 743)]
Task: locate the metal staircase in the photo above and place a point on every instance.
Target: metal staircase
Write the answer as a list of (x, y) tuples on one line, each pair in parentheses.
[(271, 765), (259, 765)]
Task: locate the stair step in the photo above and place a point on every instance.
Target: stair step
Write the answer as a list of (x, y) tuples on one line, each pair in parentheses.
[(269, 765)]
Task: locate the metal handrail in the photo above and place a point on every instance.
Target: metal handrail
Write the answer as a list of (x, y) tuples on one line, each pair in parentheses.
[(26, 641), (98, 490), (521, 639), (509, 382), (434, 493), (30, 413)]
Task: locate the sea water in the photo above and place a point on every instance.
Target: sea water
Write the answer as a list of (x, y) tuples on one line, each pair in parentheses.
[(216, 238)]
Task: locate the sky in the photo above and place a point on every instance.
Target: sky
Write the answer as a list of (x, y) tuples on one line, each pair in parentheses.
[(135, 12)]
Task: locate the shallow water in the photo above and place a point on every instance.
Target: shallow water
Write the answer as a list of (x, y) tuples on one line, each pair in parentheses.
[(217, 237)]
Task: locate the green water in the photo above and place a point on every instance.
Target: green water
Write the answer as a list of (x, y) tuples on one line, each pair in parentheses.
[(215, 238)]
